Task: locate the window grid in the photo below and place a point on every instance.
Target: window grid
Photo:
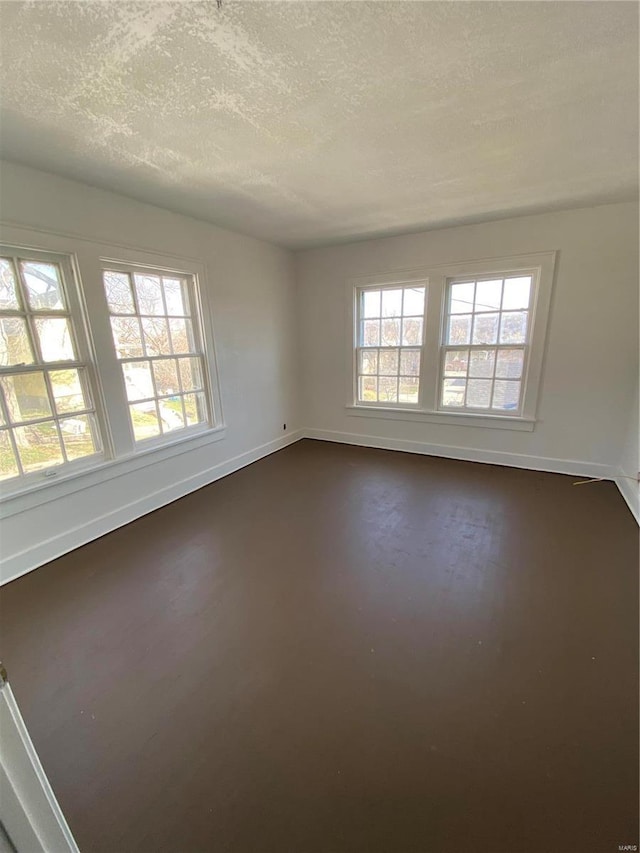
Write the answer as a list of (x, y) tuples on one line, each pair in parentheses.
[(455, 385), (26, 446), (388, 362), (189, 400)]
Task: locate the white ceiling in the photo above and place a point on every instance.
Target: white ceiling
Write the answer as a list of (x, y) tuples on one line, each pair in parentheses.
[(307, 123)]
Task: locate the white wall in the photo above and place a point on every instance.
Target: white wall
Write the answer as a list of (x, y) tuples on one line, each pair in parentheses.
[(252, 295), (591, 365)]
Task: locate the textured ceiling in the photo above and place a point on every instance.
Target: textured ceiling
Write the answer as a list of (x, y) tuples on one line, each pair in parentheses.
[(307, 123)]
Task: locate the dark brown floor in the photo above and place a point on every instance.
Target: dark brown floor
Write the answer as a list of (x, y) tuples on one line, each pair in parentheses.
[(343, 650)]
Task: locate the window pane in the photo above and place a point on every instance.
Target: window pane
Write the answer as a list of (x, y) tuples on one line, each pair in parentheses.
[(15, 346), (165, 371), (137, 379), (117, 286), (156, 335), (516, 293), (171, 414), (191, 373), (479, 393), (455, 362), (26, 398), (411, 331), (392, 303), (77, 434), (38, 446), (459, 331), (368, 389), (506, 395), (44, 288), (481, 363), (182, 336), (175, 294), (513, 328), (126, 337), (488, 295), (510, 363), (371, 303), (8, 464), (368, 361), (410, 362), (388, 362), (8, 292), (413, 301), (67, 390), (195, 408), (388, 389), (408, 389), (371, 333), (149, 293), (54, 334), (390, 333), (453, 392), (485, 328), (461, 298), (144, 419)]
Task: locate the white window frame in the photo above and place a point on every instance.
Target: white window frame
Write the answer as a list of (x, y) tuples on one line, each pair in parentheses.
[(121, 454), (540, 265), (196, 317), (359, 348), (84, 363)]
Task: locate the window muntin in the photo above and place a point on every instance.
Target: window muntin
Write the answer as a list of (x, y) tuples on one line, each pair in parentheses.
[(47, 414), (390, 335), (485, 343), (156, 335)]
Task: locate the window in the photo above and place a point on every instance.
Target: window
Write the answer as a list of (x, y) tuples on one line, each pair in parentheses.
[(485, 343), (157, 340), (473, 357), (100, 360), (390, 335), (47, 413)]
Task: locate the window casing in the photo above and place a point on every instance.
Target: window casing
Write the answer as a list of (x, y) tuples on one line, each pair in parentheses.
[(83, 397), (482, 351)]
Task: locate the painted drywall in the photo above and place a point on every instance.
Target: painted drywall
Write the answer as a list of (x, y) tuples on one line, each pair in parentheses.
[(252, 297), (590, 371), (315, 121)]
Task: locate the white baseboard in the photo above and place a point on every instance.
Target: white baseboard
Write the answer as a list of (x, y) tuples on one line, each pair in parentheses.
[(44, 551), (469, 454), (630, 491)]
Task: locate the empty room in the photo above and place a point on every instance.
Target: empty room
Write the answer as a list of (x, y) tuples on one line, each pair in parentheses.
[(319, 372)]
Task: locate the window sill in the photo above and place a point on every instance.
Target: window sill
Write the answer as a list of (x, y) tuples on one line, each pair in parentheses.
[(51, 488), (468, 419)]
